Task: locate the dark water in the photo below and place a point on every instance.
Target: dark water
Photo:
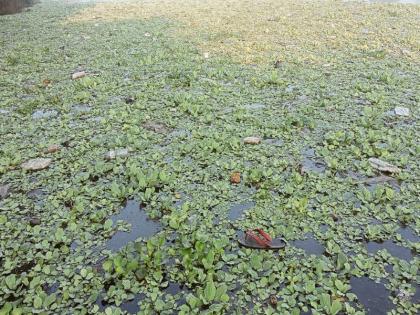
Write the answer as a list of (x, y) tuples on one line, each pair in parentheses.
[(392, 248), (14, 6), (132, 306), (310, 245), (310, 163), (236, 211), (373, 296), (408, 234), (141, 226)]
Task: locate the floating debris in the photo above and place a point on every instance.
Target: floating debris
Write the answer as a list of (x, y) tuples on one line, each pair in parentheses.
[(156, 127), (402, 111), (113, 154), (383, 166), (235, 178), (252, 140), (78, 75), (44, 114), (36, 164), (53, 148)]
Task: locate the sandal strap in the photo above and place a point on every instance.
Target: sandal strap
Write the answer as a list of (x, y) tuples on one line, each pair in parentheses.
[(264, 234), (260, 241)]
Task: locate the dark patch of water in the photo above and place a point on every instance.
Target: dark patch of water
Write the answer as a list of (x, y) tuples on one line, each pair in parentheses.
[(237, 210), (15, 6), (173, 288), (408, 234), (132, 306), (310, 245), (36, 193), (324, 228), (51, 288), (416, 297), (141, 226), (392, 248), (372, 183), (74, 245), (373, 296), (310, 163)]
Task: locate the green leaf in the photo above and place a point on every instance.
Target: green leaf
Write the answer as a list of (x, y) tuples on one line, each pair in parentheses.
[(50, 299), (325, 301), (221, 289), (107, 265), (192, 301), (6, 309), (335, 307), (208, 261), (11, 281), (37, 302), (108, 224), (16, 311), (126, 284), (341, 260), (210, 291)]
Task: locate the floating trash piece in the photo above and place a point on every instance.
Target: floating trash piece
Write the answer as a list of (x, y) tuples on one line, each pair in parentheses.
[(235, 178), (383, 166), (155, 127), (206, 55), (258, 239), (113, 154), (53, 148), (34, 221), (4, 191), (78, 75), (402, 111), (252, 140), (36, 164)]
